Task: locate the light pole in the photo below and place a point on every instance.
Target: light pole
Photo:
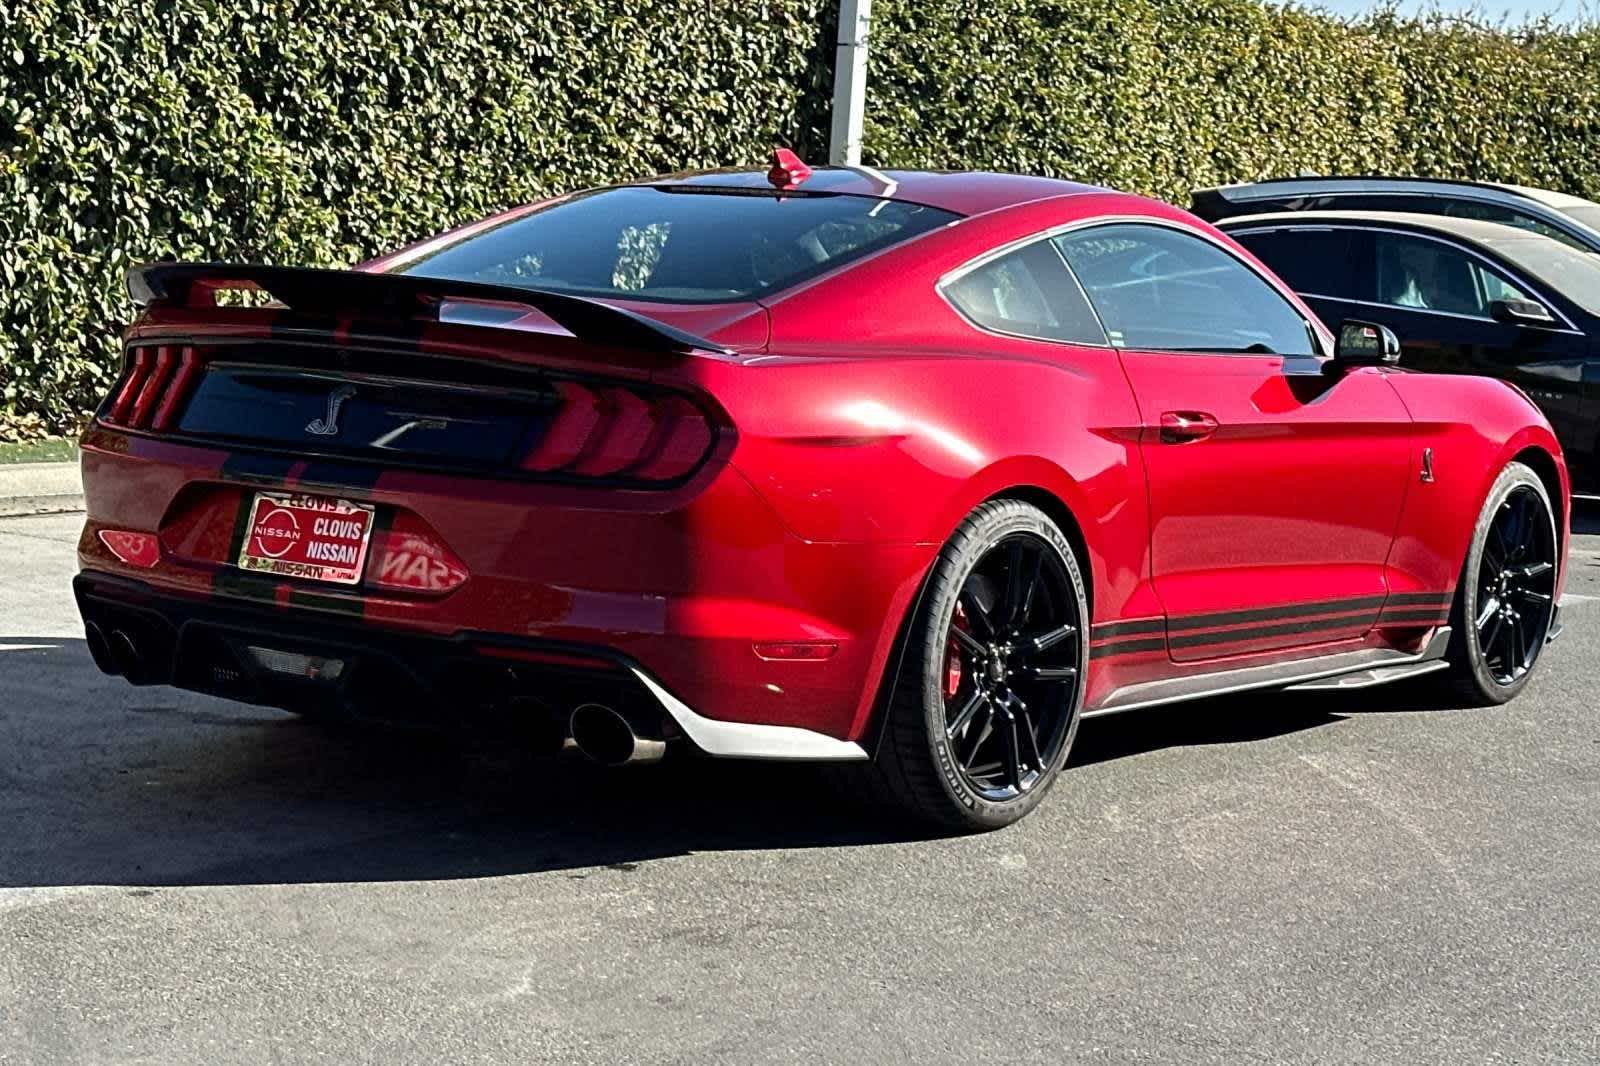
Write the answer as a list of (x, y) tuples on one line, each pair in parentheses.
[(849, 83)]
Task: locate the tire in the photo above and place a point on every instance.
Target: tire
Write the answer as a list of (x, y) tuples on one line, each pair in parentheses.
[(1484, 670), (920, 766)]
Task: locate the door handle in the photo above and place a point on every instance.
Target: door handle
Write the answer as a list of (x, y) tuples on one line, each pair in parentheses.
[(1181, 427)]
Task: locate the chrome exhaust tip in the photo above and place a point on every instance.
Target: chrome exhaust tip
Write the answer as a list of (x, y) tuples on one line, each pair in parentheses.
[(125, 653), (604, 735), (100, 649)]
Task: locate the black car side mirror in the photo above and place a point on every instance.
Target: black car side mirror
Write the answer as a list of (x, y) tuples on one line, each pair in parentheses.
[(1365, 344), (1521, 313)]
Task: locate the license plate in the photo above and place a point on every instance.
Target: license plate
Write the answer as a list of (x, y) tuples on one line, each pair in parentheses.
[(311, 537)]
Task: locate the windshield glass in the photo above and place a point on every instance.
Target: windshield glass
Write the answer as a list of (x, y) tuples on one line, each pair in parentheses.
[(1588, 214), (678, 245), (1574, 274)]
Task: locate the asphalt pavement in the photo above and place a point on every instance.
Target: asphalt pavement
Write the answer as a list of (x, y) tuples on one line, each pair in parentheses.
[(1356, 877)]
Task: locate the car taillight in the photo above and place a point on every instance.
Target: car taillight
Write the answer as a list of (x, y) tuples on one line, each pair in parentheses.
[(154, 387), (611, 431)]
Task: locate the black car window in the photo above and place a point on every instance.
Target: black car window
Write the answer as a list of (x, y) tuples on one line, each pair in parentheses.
[(1508, 217), (1441, 204), (679, 244), (1430, 275), (1158, 288), (1027, 292), (1311, 261)]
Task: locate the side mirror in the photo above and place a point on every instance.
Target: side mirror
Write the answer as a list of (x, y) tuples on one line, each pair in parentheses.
[(1365, 344), (1521, 313)]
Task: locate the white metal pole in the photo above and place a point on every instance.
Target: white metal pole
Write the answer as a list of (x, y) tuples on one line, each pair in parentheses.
[(850, 83)]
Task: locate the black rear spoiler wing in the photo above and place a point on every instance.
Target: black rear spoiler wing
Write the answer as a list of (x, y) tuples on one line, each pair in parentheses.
[(363, 294)]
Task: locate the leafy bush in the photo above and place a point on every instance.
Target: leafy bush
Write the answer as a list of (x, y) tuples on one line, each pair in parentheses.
[(324, 131)]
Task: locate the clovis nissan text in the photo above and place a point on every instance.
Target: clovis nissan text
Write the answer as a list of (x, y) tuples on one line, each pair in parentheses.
[(909, 470)]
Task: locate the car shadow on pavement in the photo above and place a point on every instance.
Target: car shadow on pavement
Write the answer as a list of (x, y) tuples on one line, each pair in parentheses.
[(1585, 517), (102, 783)]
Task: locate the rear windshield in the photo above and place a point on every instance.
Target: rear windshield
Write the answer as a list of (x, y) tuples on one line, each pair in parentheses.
[(648, 243)]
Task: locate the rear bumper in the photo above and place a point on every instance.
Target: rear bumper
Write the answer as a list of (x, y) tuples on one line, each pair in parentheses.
[(154, 637), (683, 583)]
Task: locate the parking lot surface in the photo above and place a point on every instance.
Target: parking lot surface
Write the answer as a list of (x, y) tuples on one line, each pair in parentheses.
[(1358, 877)]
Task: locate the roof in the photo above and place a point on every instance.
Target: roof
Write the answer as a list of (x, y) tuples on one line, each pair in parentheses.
[(1308, 184), (964, 192), (1471, 229)]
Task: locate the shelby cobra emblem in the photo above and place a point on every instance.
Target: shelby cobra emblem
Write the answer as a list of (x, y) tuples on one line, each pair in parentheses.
[(329, 426)]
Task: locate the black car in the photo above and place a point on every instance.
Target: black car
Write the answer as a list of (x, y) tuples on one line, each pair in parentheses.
[(1464, 296), (1569, 219)]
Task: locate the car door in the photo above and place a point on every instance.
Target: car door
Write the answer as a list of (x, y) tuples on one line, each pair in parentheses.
[(1436, 295), (1274, 489)]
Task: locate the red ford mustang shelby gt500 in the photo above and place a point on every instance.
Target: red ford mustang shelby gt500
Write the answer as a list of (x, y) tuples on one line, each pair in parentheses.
[(907, 468)]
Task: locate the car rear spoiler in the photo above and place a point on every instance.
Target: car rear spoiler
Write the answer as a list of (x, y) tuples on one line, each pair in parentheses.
[(361, 293)]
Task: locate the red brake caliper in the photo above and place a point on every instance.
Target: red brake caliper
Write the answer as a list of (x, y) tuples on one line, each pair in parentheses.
[(952, 666)]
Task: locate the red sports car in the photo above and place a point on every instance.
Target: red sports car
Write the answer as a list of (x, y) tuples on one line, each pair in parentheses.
[(912, 469)]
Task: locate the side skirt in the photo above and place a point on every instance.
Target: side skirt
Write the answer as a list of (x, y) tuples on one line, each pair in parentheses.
[(1366, 667)]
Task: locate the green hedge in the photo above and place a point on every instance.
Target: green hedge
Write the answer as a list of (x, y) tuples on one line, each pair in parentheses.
[(321, 131)]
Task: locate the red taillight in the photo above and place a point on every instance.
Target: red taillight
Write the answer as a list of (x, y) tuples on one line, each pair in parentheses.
[(131, 385), (619, 442), (135, 549), (153, 390), (568, 431), (682, 438), (188, 367), (616, 432)]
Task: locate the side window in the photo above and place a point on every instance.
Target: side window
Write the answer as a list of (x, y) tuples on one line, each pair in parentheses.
[(1430, 275), (1160, 288), (1507, 217), (1312, 262), (1027, 292), (1495, 287)]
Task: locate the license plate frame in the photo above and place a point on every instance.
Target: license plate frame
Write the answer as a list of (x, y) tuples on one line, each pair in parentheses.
[(324, 539)]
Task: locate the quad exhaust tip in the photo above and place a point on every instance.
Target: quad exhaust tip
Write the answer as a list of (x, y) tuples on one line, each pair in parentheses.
[(100, 649), (603, 734), (125, 654)]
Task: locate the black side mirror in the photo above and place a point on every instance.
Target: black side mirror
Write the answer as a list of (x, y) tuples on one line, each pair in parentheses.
[(1365, 344), (1522, 313)]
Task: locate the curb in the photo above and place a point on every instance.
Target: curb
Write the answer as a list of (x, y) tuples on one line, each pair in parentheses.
[(40, 488)]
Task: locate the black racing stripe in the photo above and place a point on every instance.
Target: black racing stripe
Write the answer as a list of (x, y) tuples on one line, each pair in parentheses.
[(1107, 630), (305, 597), (1261, 614), (1128, 647), (1389, 617), (245, 585), (320, 475), (257, 468), (1404, 598), (1231, 636)]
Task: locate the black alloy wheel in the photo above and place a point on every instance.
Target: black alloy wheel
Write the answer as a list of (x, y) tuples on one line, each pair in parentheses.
[(983, 706), (1505, 601), (1516, 585), (1011, 667)]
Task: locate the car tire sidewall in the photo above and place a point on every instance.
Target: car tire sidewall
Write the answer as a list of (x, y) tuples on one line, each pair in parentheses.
[(955, 563), (1512, 477)]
